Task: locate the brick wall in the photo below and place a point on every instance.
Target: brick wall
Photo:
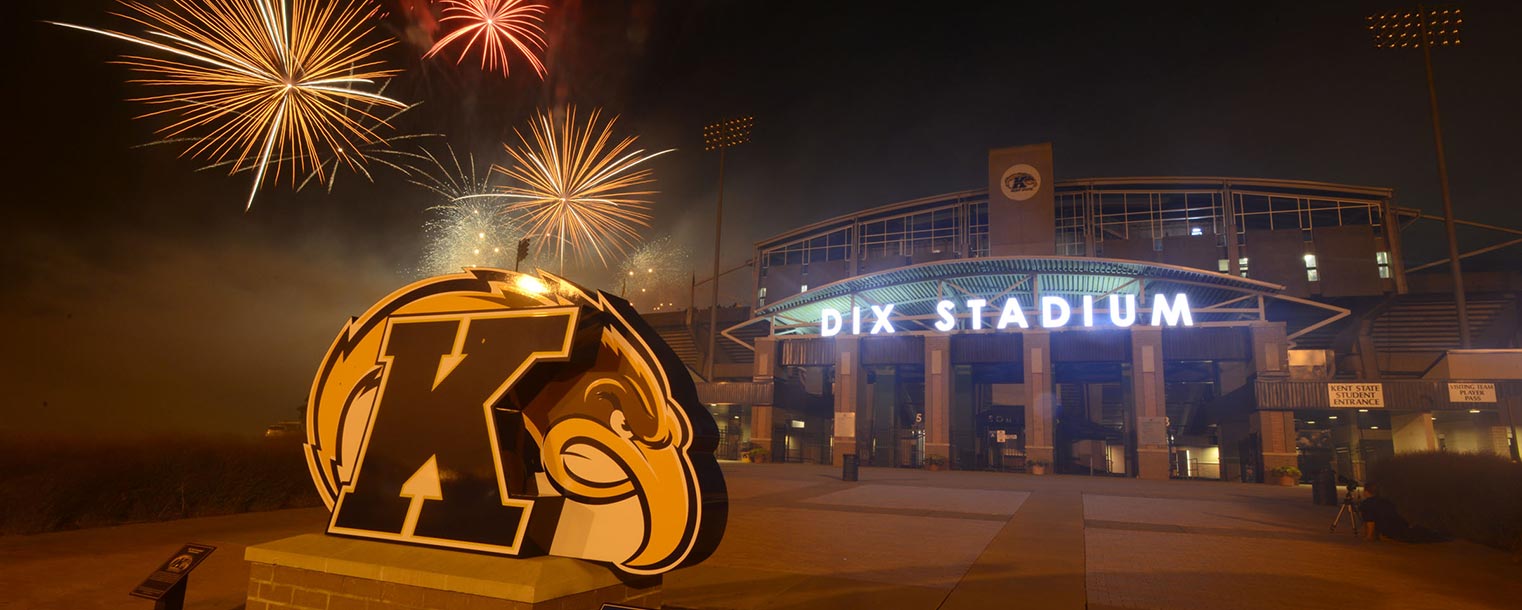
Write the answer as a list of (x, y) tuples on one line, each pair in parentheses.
[(284, 588)]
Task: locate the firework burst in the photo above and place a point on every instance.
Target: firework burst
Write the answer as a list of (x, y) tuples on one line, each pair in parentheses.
[(657, 273), (261, 83), (385, 151), (469, 228), (577, 188), (498, 26)]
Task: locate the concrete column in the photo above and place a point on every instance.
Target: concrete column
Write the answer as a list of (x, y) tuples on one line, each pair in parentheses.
[(1149, 416), (1270, 349), (1276, 433), (938, 376), (1495, 439), (761, 427), (1231, 375), (1412, 432), (1039, 421), (1347, 433), (765, 371), (849, 378), (1275, 429), (766, 360)]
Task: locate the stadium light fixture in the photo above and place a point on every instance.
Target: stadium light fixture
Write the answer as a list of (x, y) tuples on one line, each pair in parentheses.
[(720, 136), (1425, 28)]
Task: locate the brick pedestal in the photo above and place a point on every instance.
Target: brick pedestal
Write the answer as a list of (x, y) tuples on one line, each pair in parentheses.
[(317, 572)]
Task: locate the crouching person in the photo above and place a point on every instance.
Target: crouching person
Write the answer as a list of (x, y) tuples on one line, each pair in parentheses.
[(1381, 519)]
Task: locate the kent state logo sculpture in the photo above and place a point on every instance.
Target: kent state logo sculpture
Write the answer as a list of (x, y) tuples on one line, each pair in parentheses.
[(515, 414)]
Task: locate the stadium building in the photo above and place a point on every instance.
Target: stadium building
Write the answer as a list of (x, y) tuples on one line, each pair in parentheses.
[(1156, 327)]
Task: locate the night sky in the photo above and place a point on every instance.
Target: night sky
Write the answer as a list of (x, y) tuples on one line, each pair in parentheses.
[(141, 297)]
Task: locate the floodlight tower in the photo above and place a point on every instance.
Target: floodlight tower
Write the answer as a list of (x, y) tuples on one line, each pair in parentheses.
[(720, 136), (1425, 28)]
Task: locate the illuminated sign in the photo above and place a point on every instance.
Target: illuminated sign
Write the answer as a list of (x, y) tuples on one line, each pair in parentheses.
[(515, 414), (1052, 312)]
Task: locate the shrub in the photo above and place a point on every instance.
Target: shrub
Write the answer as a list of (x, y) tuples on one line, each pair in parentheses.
[(935, 460), (1285, 471), (53, 484), (758, 453), (1473, 496)]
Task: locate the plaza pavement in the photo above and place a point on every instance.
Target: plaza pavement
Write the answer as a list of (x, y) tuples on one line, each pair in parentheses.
[(799, 537)]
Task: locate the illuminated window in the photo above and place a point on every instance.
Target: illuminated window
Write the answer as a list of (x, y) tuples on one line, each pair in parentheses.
[(1383, 260), (1196, 231), (1242, 265), (805, 288), (1310, 268), (1223, 264)]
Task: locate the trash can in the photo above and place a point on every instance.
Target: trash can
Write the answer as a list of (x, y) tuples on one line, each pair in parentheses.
[(848, 467), (1324, 489)]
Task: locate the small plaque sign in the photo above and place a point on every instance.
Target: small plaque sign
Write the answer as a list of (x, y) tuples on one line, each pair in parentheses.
[(1471, 392), (1356, 395), (1152, 430), (172, 572)]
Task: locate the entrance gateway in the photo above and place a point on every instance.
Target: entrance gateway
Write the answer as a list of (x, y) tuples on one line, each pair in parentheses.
[(993, 328), (1087, 365)]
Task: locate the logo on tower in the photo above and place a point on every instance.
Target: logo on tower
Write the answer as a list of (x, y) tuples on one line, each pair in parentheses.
[(516, 414), (1020, 182)]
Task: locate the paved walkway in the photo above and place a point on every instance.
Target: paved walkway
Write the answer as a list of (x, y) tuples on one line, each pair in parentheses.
[(799, 537)]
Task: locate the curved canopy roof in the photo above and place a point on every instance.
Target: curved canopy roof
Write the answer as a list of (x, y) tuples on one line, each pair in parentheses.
[(914, 290)]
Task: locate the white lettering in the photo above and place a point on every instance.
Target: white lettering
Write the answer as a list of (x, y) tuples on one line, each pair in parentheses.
[(1050, 304), (977, 305), (829, 323), (882, 313), (1012, 314), (1055, 312), (947, 321), (1173, 314), (1123, 317)]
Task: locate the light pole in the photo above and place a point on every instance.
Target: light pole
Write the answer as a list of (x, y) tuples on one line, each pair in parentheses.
[(1425, 28), (720, 136)]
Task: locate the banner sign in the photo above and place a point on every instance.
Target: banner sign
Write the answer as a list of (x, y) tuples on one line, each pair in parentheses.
[(1471, 392), (517, 414), (1356, 395)]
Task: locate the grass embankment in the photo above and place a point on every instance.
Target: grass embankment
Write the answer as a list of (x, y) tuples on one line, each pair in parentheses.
[(49, 485)]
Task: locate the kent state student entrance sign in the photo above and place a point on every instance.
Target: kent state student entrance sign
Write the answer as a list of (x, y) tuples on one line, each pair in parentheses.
[(1053, 312), (516, 414)]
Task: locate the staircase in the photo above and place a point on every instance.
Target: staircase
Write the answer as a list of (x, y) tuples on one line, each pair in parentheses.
[(680, 340), (1430, 323)]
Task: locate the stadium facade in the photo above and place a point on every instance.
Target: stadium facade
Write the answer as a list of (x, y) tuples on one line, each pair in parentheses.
[(1185, 327)]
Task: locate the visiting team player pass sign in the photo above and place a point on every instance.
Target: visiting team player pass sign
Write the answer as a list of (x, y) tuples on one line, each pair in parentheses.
[(1356, 395), (1471, 392), (516, 414)]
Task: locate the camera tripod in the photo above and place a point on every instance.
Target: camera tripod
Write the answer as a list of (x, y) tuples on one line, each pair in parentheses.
[(1349, 508)]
